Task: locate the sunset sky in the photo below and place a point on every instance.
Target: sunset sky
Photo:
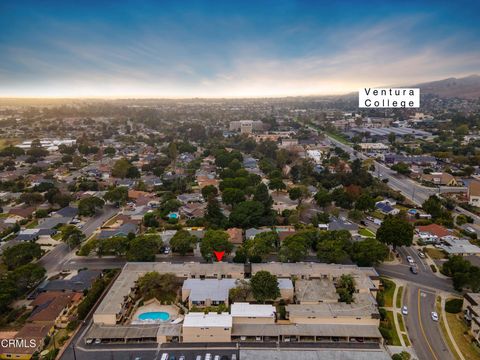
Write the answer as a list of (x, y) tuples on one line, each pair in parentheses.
[(230, 48)]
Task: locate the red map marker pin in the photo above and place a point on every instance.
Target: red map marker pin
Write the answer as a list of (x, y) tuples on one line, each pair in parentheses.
[(219, 255)]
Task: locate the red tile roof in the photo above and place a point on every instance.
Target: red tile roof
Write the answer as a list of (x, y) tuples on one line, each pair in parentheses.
[(434, 229)]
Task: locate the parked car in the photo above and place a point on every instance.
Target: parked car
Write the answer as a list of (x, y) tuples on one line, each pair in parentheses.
[(217, 357), (89, 341), (164, 356), (234, 356), (434, 316), (421, 254), (182, 357), (199, 357), (404, 310), (98, 341), (208, 356)]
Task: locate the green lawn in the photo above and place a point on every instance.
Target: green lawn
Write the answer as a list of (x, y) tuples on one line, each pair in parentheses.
[(399, 297), (32, 224), (400, 322), (405, 339), (388, 290), (366, 232), (339, 138), (435, 254), (463, 340), (395, 339)]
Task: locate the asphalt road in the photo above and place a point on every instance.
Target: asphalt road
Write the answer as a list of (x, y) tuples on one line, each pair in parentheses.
[(425, 276), (424, 333), (412, 190), (54, 261)]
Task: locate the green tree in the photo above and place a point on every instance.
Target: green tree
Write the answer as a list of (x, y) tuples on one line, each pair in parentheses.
[(144, 248), (241, 293), (31, 198), (183, 242), (332, 251), (72, 236), (247, 214), (215, 240), (323, 198), (264, 286), (369, 252), (208, 191), (21, 254), (117, 195), (298, 193), (401, 168), (26, 277), (150, 220), (261, 195), (89, 205), (214, 213), (346, 288), (163, 287), (232, 196), (277, 184), (261, 245), (294, 248), (120, 168), (365, 203), (395, 231)]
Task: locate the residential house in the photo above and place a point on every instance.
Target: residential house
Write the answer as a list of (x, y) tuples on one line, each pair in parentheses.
[(235, 236), (31, 334), (77, 283), (122, 230), (52, 307), (190, 198), (386, 208), (193, 210), (473, 193), (440, 178)]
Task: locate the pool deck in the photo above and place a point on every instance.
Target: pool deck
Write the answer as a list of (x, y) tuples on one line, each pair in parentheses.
[(155, 306)]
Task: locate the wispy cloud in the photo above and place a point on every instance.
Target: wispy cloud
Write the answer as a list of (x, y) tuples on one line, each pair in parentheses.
[(230, 58)]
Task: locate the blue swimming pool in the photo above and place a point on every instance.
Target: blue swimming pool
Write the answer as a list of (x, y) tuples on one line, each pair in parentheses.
[(154, 315)]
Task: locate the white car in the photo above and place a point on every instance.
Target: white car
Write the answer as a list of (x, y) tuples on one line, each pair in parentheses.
[(98, 341), (410, 260), (208, 356), (434, 316), (404, 310), (421, 254)]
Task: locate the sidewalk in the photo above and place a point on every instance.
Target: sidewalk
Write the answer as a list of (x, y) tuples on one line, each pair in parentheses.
[(444, 318)]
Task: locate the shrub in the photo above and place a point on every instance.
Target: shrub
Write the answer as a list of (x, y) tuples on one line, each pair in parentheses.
[(454, 306)]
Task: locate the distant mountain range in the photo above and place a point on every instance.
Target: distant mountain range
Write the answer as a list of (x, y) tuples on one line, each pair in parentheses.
[(465, 88)]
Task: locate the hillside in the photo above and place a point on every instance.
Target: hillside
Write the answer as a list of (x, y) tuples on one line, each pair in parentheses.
[(465, 88)]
